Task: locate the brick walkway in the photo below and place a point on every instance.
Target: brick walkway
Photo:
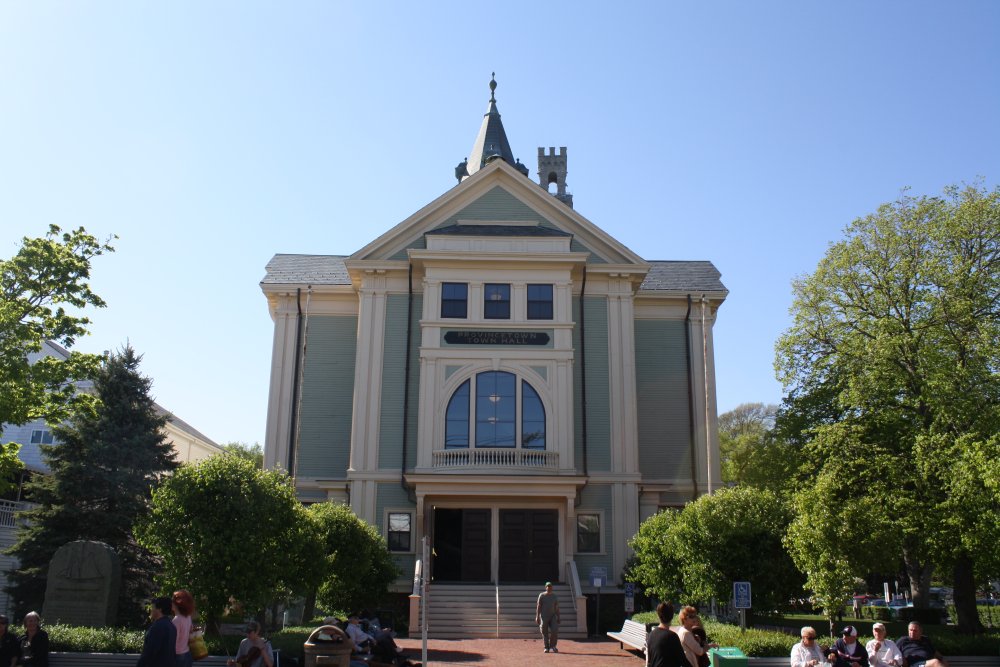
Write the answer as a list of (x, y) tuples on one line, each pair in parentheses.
[(521, 653)]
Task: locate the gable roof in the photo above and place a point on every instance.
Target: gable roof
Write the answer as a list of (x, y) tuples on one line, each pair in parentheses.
[(547, 210)]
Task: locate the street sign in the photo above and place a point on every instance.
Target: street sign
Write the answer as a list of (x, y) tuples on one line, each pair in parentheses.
[(599, 576), (629, 598), (741, 594)]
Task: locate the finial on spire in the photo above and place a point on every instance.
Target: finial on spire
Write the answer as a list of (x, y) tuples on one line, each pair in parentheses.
[(493, 86)]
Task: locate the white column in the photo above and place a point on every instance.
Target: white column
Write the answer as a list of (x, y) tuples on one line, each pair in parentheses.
[(279, 401), (368, 371)]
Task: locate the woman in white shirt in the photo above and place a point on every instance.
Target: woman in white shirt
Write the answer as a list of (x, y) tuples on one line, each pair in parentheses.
[(883, 652), (807, 652), (692, 647)]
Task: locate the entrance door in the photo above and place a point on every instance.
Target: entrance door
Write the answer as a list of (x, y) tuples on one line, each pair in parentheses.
[(529, 546), (461, 545)]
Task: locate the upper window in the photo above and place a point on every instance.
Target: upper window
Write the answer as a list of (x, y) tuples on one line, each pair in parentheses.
[(495, 413), (454, 300), (398, 534), (41, 437), (588, 533), (497, 302), (539, 302)]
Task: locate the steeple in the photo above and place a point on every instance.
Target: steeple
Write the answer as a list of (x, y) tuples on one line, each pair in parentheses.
[(491, 143)]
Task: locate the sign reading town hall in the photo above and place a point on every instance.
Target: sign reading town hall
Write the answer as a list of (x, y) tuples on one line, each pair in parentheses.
[(496, 338)]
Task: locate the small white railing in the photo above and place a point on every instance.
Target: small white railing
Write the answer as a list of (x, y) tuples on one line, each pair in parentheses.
[(477, 457), (8, 509)]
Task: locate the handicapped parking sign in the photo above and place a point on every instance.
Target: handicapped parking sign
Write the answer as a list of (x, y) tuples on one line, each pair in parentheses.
[(741, 594)]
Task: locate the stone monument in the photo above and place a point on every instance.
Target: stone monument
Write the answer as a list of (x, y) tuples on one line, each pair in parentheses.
[(84, 580)]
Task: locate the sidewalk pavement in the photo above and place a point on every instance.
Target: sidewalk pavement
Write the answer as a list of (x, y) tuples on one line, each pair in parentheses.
[(521, 653)]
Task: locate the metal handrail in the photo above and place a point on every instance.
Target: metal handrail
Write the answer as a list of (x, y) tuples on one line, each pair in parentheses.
[(497, 586)]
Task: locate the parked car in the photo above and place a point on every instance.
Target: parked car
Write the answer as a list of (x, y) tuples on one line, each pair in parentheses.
[(877, 602)]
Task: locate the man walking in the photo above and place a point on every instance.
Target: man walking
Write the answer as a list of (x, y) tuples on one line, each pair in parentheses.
[(547, 618), (161, 638)]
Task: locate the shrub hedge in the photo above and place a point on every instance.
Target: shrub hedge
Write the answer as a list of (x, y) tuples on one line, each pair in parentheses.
[(75, 639), (770, 643)]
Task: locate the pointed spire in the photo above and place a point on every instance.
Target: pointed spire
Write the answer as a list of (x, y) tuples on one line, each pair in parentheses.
[(491, 143)]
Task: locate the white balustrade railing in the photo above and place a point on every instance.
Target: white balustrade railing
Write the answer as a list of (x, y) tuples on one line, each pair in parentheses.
[(7, 510), (477, 457)]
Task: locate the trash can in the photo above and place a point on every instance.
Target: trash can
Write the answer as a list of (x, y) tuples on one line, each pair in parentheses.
[(727, 656), (332, 652)]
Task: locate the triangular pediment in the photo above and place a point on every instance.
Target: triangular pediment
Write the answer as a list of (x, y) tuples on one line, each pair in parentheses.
[(498, 195)]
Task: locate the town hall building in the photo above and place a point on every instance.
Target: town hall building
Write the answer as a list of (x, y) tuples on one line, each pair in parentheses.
[(499, 374)]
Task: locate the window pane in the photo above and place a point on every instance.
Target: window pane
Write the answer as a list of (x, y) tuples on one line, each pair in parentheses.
[(539, 302), (496, 412), (497, 302), (588, 533), (399, 532), (456, 430), (533, 418), (36, 437), (46, 437), (454, 299)]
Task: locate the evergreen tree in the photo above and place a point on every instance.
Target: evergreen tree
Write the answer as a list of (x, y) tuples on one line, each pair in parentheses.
[(103, 470)]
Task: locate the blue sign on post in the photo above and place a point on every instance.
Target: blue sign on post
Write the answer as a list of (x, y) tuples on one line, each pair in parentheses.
[(629, 598), (741, 594)]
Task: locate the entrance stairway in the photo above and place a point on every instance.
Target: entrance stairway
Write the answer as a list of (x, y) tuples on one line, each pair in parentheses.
[(465, 611)]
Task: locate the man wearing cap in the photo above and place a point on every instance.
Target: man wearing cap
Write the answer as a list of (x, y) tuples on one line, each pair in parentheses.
[(547, 618), (883, 652), (847, 652), (362, 640), (917, 650), (9, 646)]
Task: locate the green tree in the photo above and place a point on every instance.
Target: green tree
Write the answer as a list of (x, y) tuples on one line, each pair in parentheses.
[(656, 565), (228, 531), (899, 326), (838, 534), (110, 454), (733, 535), (357, 567), (750, 449), (253, 453), (46, 276)]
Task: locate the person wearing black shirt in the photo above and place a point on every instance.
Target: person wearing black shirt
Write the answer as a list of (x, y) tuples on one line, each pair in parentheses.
[(9, 646), (663, 646), (917, 650)]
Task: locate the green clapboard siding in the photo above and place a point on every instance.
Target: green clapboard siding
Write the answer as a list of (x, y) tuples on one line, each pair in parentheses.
[(327, 397), (598, 497), (598, 406), (390, 495), (662, 390), (390, 447)]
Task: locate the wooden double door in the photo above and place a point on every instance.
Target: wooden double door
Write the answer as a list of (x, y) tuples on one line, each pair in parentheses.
[(527, 541)]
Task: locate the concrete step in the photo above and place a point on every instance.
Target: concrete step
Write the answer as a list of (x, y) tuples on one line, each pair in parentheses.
[(459, 611)]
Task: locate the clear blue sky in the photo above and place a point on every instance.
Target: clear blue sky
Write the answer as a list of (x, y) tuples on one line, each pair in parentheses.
[(210, 135)]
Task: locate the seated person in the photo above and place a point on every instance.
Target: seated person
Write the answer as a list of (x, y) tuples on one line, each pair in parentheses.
[(362, 640), (847, 651), (807, 652), (883, 652), (917, 650)]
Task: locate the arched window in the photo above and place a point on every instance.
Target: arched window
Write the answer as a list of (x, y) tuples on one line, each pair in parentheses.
[(507, 413)]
